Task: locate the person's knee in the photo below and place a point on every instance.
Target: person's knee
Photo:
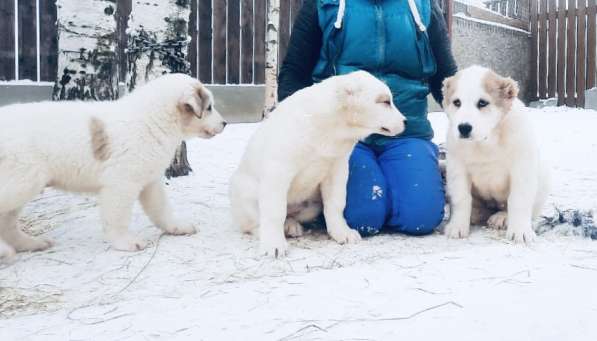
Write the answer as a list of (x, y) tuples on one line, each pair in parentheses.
[(367, 219), (423, 220)]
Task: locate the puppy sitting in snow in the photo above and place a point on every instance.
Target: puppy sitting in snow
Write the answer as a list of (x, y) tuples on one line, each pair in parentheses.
[(118, 150), (296, 164), (494, 171)]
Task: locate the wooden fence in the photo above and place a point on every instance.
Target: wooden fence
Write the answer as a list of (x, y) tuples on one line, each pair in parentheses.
[(28, 40), (563, 49), (228, 38)]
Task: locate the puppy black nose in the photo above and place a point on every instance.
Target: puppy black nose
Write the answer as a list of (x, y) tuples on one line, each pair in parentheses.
[(465, 130), (405, 122), (224, 123)]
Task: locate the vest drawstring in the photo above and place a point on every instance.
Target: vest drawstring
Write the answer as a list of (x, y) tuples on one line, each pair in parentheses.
[(416, 15), (340, 17)]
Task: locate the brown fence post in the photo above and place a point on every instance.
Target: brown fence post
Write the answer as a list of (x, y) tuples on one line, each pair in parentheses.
[(27, 40), (534, 42), (561, 70), (205, 40), (580, 53), (591, 41), (123, 11), (192, 49), (448, 9), (219, 41), (571, 55), (233, 42), (48, 40), (259, 63), (7, 40), (542, 79), (551, 77), (247, 34)]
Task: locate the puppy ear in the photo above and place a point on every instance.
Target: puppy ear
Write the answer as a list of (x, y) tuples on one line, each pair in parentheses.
[(348, 87), (447, 90), (508, 88), (188, 106), (203, 97)]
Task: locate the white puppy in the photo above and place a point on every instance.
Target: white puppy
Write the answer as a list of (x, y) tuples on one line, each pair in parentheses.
[(118, 150), (494, 171), (297, 160)]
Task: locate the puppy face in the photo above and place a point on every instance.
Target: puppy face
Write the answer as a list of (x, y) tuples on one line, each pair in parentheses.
[(366, 105), (476, 100), (199, 115)]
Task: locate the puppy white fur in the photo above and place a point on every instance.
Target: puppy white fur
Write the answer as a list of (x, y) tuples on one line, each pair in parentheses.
[(296, 163), (118, 150), (495, 174)]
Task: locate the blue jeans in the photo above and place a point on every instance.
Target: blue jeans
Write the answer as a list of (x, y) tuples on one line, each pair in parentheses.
[(397, 186)]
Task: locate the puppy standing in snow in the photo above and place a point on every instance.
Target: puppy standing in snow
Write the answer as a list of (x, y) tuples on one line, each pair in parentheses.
[(493, 167), (297, 161), (118, 150)]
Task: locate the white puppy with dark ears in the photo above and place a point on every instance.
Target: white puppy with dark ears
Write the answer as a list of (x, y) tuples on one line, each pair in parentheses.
[(495, 174), (118, 150), (296, 164)]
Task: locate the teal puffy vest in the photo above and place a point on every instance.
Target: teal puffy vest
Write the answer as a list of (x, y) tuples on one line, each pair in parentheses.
[(381, 37)]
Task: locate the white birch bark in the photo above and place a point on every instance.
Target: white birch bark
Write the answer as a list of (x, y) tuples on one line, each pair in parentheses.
[(271, 55)]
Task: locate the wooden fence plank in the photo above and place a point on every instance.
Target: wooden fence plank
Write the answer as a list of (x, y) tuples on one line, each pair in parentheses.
[(561, 68), (7, 41), (551, 46), (542, 79), (534, 29), (591, 41), (284, 31), (192, 53), (580, 52), (233, 42), (259, 62), (48, 31), (123, 11), (27, 40), (571, 54), (247, 41), (205, 41), (219, 44)]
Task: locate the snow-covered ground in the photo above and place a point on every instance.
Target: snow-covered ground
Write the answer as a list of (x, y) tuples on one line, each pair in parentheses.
[(214, 285)]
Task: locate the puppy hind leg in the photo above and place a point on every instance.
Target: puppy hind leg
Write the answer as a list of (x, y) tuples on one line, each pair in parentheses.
[(18, 239), (116, 205), (155, 204)]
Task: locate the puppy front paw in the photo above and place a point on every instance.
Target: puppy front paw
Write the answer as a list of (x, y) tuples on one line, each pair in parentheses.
[(293, 228), (179, 228), (128, 242), (457, 230), (521, 235), (275, 249), (498, 221), (344, 235)]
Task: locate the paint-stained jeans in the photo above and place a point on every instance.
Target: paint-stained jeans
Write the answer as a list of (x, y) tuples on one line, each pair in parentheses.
[(396, 186)]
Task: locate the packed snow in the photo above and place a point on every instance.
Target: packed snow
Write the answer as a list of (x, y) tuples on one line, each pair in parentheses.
[(215, 285)]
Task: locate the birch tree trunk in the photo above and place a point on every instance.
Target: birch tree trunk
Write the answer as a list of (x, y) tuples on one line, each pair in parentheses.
[(271, 55)]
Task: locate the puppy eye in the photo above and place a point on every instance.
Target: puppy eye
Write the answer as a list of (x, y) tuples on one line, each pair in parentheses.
[(457, 103), (482, 103), (388, 103)]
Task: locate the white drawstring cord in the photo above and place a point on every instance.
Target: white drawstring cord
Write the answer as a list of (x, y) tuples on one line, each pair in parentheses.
[(416, 15), (340, 17)]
